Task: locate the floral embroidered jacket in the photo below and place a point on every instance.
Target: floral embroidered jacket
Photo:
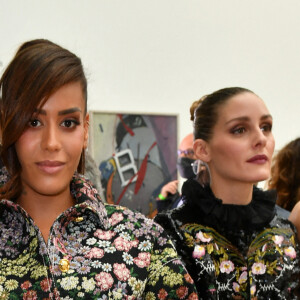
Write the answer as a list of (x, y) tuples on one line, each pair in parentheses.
[(94, 251), (234, 251)]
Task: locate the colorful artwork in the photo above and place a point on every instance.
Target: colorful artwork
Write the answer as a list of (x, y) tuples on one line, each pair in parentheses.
[(136, 155)]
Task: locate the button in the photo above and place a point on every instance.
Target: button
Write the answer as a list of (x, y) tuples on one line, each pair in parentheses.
[(64, 265), (79, 219)]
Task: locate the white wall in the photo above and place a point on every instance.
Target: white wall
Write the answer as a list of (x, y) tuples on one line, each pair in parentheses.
[(159, 56)]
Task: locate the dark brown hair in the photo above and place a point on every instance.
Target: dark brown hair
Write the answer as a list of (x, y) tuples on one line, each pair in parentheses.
[(285, 175), (204, 112), (38, 70)]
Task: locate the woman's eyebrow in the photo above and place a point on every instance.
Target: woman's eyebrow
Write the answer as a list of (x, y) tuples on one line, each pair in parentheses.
[(266, 117), (69, 111), (238, 119), (62, 112), (246, 119)]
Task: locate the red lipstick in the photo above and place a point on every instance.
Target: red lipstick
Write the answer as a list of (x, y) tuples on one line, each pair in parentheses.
[(258, 159)]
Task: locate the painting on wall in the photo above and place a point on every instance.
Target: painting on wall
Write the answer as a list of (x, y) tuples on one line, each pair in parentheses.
[(136, 155)]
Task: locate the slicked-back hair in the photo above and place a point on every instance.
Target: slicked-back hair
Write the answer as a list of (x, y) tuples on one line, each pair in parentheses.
[(205, 111)]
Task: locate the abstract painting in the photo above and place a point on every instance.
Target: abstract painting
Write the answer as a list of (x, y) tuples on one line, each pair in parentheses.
[(136, 155)]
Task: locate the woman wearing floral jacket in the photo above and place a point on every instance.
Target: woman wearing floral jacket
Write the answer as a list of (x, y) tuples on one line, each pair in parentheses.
[(58, 240), (234, 244)]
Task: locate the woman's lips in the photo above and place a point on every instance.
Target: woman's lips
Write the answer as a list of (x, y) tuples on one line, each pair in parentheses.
[(50, 167), (258, 159)]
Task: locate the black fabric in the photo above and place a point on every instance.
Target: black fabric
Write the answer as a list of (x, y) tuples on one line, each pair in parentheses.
[(184, 166), (212, 212), (170, 202)]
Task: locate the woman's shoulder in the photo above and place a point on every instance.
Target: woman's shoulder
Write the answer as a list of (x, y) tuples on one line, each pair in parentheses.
[(280, 225), (132, 219), (295, 215), (295, 218)]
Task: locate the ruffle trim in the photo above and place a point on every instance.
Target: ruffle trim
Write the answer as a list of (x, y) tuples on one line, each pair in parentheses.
[(201, 200)]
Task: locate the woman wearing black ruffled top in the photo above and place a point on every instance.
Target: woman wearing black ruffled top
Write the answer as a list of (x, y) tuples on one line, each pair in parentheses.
[(234, 244)]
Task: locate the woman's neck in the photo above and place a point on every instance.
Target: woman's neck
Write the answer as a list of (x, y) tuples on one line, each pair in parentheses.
[(44, 209), (238, 193)]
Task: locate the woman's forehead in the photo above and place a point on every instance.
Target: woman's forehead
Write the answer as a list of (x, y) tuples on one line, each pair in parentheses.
[(244, 105)]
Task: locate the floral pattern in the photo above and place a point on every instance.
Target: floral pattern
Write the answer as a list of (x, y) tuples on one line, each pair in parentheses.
[(271, 254), (4, 176), (234, 251), (94, 251)]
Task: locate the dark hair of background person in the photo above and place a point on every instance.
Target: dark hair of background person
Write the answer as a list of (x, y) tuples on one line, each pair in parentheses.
[(204, 112), (38, 70), (285, 175)]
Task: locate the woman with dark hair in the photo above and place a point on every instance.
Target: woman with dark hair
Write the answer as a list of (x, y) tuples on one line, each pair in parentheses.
[(58, 239), (227, 231), (285, 175), (285, 179)]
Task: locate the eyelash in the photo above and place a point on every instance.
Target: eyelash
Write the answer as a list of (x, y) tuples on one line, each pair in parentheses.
[(268, 127), (241, 129), (237, 130), (73, 122), (30, 123)]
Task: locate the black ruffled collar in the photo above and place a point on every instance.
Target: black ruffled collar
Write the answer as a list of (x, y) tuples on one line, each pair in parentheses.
[(204, 207)]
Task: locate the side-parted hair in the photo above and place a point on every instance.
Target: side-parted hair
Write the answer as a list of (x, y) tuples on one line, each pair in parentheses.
[(38, 69), (204, 112)]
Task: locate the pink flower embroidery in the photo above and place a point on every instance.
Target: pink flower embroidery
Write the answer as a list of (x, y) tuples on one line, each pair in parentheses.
[(121, 272), (134, 243), (104, 281), (181, 292), (162, 294), (264, 248), (95, 253), (278, 239), (204, 237), (290, 251), (104, 235), (122, 244), (258, 269), (243, 277), (26, 285), (86, 189), (143, 260), (236, 287), (116, 218), (226, 266), (253, 290), (199, 251), (30, 295), (46, 284)]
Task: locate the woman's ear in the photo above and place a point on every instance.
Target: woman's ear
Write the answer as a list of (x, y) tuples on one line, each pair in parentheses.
[(201, 150), (86, 130)]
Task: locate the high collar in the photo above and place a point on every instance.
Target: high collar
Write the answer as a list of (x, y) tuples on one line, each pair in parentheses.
[(212, 211), (86, 197)]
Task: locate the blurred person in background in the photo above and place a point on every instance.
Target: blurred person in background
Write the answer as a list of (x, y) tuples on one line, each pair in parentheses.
[(169, 195), (285, 175)]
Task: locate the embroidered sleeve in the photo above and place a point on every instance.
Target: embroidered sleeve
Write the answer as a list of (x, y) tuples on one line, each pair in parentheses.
[(168, 278)]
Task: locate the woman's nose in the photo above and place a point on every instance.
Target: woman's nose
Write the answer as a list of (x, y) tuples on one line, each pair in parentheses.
[(260, 138), (51, 138)]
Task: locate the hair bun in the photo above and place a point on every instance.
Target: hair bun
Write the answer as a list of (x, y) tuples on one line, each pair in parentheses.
[(194, 106)]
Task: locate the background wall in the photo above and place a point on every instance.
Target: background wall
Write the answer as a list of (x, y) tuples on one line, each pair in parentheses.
[(160, 55)]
